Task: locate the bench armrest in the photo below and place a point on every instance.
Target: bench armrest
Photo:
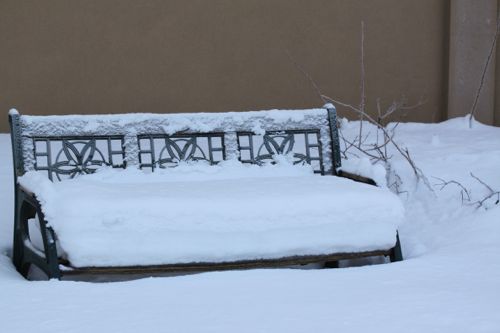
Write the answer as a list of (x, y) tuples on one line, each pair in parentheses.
[(356, 178)]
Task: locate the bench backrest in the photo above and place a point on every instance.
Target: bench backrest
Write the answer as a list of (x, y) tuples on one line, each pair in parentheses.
[(65, 146)]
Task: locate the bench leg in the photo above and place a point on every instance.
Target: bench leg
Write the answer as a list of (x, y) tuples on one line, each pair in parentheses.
[(24, 255), (331, 264), (396, 253), (22, 213)]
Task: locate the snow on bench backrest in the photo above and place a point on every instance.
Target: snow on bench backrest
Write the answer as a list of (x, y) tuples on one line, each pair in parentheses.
[(74, 144)]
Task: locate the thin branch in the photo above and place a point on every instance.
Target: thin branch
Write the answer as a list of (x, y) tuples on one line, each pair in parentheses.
[(363, 95), (398, 106), (396, 185), (491, 194), (383, 144), (353, 144), (346, 147), (340, 103), (480, 203), (466, 194), (483, 183), (306, 74), (485, 69), (395, 106), (404, 152), (463, 190), (363, 114)]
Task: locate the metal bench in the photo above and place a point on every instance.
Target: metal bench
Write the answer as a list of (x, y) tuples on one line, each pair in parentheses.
[(66, 146)]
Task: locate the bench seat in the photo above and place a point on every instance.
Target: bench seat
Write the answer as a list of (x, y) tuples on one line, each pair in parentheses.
[(213, 214)]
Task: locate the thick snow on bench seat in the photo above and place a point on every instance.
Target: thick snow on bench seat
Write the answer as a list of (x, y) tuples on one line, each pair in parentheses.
[(200, 213)]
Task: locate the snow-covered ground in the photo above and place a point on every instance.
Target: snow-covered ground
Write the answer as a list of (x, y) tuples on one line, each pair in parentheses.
[(448, 282)]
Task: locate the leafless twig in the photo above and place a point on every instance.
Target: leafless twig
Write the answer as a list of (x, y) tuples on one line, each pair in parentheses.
[(380, 150), (483, 183), (485, 69), (394, 107), (492, 193), (373, 157), (403, 151), (395, 185), (363, 95), (347, 145), (464, 193), (306, 74)]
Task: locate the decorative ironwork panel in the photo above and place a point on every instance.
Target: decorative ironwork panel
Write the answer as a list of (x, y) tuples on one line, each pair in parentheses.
[(67, 157), (163, 151), (303, 145)]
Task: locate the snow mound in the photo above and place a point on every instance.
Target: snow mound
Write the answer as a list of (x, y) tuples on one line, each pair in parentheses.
[(201, 213)]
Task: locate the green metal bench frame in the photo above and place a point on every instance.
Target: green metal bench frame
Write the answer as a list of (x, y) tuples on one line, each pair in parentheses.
[(48, 260)]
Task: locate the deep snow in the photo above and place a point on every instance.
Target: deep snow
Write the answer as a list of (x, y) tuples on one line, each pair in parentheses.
[(233, 212), (448, 282)]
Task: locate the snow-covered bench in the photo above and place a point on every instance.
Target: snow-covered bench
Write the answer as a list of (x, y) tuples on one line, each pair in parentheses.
[(243, 193)]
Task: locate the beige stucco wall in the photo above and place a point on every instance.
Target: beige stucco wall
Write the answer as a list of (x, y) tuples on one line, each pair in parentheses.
[(98, 56), (497, 85)]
